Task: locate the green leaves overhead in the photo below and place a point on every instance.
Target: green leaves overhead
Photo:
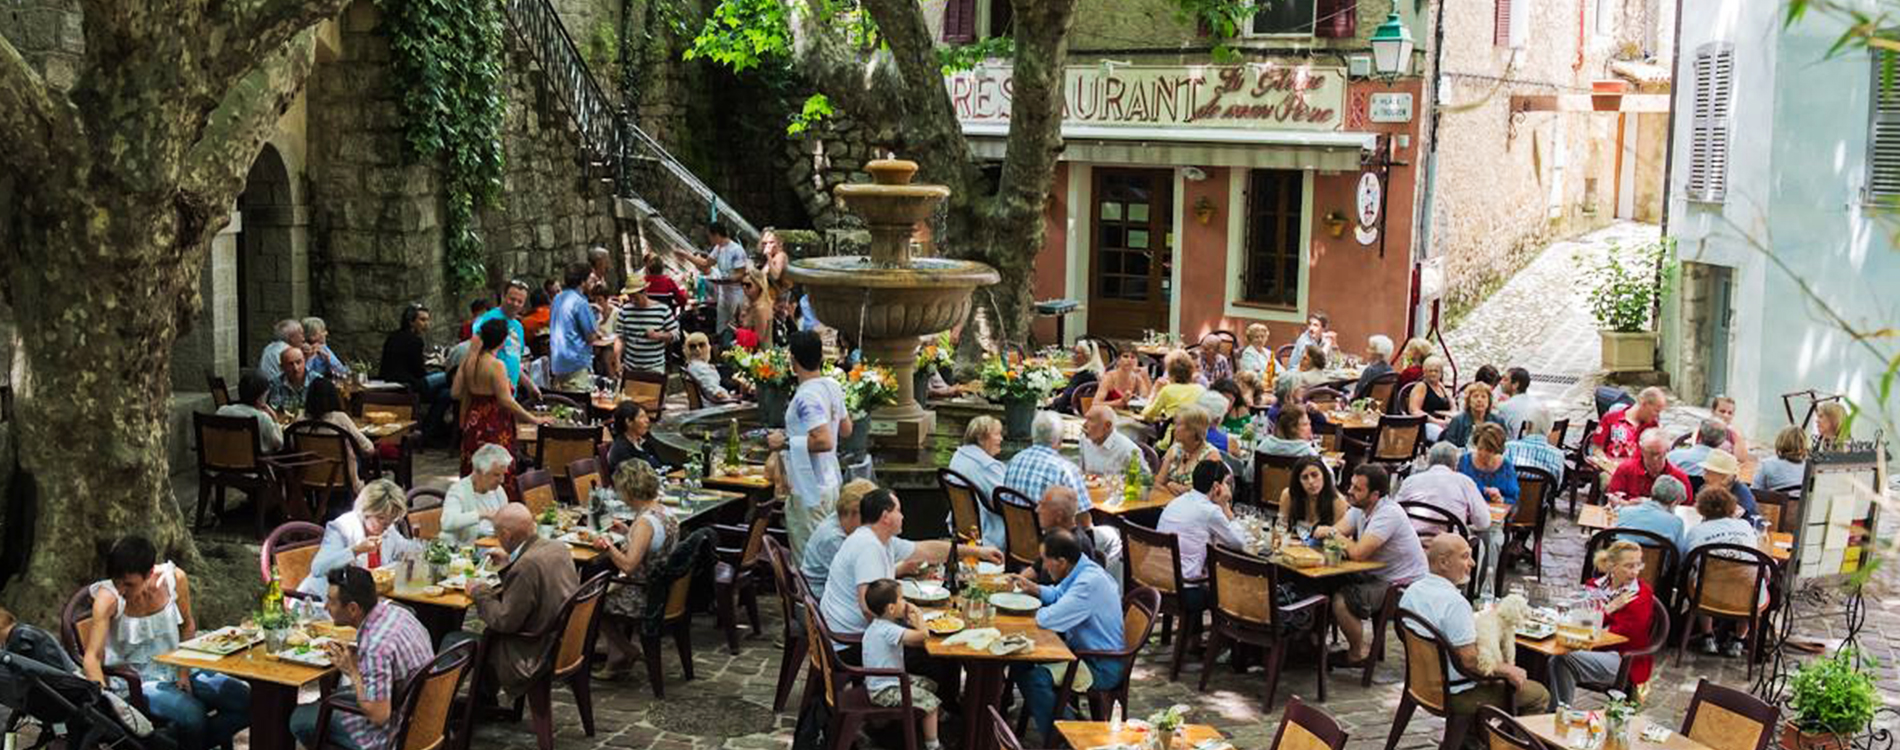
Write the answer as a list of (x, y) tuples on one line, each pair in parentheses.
[(446, 60), (742, 34)]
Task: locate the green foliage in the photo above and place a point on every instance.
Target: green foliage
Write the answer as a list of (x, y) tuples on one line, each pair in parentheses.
[(1223, 19), (446, 57), (1626, 285), (956, 58), (744, 34), (817, 107), (602, 52), (1835, 694)]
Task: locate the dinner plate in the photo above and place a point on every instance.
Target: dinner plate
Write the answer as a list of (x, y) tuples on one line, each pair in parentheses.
[(925, 592), (1015, 603), (1536, 631), (224, 641), (989, 568), (312, 655)]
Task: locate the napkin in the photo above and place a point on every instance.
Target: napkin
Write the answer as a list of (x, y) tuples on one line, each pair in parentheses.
[(976, 638), (185, 653)]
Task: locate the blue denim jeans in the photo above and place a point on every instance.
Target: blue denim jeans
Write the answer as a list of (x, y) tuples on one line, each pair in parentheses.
[(436, 394), (303, 726), (1038, 687), (191, 714)]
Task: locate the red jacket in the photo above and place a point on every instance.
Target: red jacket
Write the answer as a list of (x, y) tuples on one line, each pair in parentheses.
[(1632, 622), (1617, 436), (1633, 479)]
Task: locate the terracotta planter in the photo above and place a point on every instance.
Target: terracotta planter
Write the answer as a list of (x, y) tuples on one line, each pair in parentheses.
[(1607, 95), (1793, 738), (1628, 352)]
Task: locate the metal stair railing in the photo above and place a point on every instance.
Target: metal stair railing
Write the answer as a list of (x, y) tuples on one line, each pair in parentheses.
[(607, 135)]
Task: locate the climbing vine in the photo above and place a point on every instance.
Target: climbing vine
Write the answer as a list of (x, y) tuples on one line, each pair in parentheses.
[(446, 58)]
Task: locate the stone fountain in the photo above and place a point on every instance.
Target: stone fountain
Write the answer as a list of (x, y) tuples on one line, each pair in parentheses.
[(889, 301)]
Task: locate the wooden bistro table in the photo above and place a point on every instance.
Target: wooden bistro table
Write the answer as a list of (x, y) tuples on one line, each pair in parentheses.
[(274, 685), (1107, 509), (984, 686), (1552, 646), (440, 615), (752, 479), (1330, 573), (582, 555), (1545, 727), (1354, 421), (1083, 735)]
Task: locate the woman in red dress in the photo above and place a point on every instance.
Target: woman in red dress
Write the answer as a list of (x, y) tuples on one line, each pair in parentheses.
[(489, 409)]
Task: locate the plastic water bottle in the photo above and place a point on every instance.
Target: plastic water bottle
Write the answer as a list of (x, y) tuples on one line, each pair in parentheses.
[(1115, 718)]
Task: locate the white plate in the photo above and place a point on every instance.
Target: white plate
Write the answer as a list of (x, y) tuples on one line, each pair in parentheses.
[(1536, 631), (1015, 602), (231, 645), (309, 656), (614, 538), (925, 591), (988, 568)]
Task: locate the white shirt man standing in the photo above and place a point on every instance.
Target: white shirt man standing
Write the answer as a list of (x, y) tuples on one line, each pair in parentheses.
[(815, 422), (724, 265)]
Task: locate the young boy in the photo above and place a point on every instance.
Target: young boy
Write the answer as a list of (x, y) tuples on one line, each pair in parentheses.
[(898, 624)]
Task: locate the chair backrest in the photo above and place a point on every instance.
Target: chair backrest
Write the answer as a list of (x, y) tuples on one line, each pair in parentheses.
[(427, 698), (1580, 451), (1324, 397), (1083, 397), (584, 475), (1723, 718), (1242, 586), (401, 404), (965, 519), (1271, 476), (537, 490), (1431, 520), (559, 447), (1230, 343), (695, 398), (1534, 486), (1107, 348), (220, 393), (1775, 506), (1380, 391), (1505, 732), (1725, 579), (647, 389), (325, 441), (1139, 609), (425, 513), (1151, 558), (1427, 662), (1399, 405), (1149, 456), (75, 624), (1661, 558), (756, 528), (1399, 437), (1282, 354), (287, 553), (783, 584), (818, 644), (1000, 732), (1556, 435), (1305, 727), (225, 443), (1021, 528), (578, 623)]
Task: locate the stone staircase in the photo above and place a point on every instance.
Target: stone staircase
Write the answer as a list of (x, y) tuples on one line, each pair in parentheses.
[(614, 148)]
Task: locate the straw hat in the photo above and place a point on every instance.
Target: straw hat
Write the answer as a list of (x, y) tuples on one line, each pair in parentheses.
[(1721, 462), (635, 285)]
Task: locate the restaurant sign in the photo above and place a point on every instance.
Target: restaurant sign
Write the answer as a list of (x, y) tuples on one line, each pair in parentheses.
[(1276, 97)]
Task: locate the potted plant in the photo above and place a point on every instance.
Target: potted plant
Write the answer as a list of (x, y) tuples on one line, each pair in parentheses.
[(1167, 723), (770, 375), (1618, 716), (276, 624), (866, 387), (438, 554), (1833, 698), (937, 355), (1019, 388), (1624, 288), (549, 523)]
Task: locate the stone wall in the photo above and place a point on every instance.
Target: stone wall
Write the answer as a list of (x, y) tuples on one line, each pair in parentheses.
[(49, 34)]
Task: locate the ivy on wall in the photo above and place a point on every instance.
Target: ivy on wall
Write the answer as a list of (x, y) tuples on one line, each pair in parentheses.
[(446, 60)]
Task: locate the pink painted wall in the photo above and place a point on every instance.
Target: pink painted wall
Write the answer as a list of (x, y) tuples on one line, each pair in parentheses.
[(1052, 262)]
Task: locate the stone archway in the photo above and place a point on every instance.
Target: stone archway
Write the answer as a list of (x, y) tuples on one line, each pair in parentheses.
[(271, 277)]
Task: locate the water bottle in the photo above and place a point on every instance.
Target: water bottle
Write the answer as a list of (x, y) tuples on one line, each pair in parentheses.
[(1115, 718)]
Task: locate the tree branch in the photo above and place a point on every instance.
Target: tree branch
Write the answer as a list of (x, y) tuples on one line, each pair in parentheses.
[(244, 119), (932, 122), (37, 125), (856, 80), (256, 27), (1035, 120)]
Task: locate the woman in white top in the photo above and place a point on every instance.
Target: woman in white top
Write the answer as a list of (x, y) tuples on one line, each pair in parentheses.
[(649, 541), (468, 508), (1258, 356), (141, 611), (325, 403), (366, 537), (699, 367), (976, 461)]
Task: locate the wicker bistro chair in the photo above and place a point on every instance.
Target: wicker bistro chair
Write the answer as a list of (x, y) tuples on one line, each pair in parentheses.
[(793, 635), (75, 627), (966, 519), (1723, 718), (1783, 510), (1139, 607), (287, 554), (1380, 391), (316, 485), (1083, 398), (1396, 443), (1727, 582), (404, 406), (1271, 476), (583, 475), (842, 687), (1430, 521), (1304, 727), (1658, 640), (1246, 611), (1661, 559), (229, 457), (569, 640), (1525, 526), (742, 570), (1022, 529), (1153, 559), (424, 520), (1428, 684), (1506, 732), (220, 393), (420, 718), (536, 489), (559, 448), (648, 389)]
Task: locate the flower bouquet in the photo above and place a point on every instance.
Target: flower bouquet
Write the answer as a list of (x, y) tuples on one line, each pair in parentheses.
[(1019, 388), (1165, 723), (937, 355), (867, 387), (770, 375)]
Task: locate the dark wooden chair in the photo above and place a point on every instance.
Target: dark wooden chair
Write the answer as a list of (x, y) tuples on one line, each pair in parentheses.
[(1152, 558), (568, 657), (1241, 595), (1394, 445), (676, 618), (966, 520), (405, 407), (220, 393), (647, 389), (1021, 528), (75, 627), (536, 489), (742, 570), (1723, 718), (1556, 435), (1272, 475), (424, 520), (1083, 397), (1428, 682), (1661, 559), (1388, 612), (1304, 727), (583, 475), (695, 398), (1783, 510), (1504, 732), (1139, 609), (1658, 640), (229, 458), (1580, 473), (842, 687), (1401, 404), (1524, 527), (1727, 582), (1282, 354), (793, 636), (1149, 456), (1325, 398), (1107, 348), (1380, 391), (287, 554), (420, 717), (558, 447), (315, 486)]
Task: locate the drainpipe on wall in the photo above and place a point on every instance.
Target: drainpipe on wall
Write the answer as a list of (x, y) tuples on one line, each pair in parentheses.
[(1422, 232)]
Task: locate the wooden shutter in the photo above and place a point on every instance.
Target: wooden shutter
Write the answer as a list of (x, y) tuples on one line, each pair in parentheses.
[(959, 21), (1709, 129), (1337, 19), (1501, 24), (1883, 137)]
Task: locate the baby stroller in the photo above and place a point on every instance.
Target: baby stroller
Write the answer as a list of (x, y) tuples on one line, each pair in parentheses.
[(67, 708)]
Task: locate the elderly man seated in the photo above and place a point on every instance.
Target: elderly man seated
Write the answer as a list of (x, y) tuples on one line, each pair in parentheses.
[(1056, 510), (1712, 433), (391, 649), (1085, 608), (252, 401), (1444, 487), (1376, 529), (323, 363), (1438, 598), (1213, 365), (871, 552), (537, 577), (1036, 468), (289, 336), (1656, 513), (287, 391), (1378, 352), (1617, 437), (1534, 450), (470, 505), (1638, 473), (1105, 450)]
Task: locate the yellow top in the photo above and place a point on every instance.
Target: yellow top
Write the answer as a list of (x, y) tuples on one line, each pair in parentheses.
[(1171, 397)]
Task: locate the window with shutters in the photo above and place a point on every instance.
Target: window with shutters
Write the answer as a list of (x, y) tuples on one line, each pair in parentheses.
[(1275, 215), (959, 21), (1286, 18), (1714, 81), (1501, 23), (1883, 135)]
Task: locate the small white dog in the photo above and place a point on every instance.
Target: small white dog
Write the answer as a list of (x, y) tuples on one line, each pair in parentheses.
[(1497, 631)]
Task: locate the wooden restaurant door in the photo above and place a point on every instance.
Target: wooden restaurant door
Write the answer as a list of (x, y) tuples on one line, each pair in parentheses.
[(1133, 251)]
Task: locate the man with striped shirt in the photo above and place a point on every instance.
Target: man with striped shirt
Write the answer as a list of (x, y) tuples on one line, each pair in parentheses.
[(645, 327)]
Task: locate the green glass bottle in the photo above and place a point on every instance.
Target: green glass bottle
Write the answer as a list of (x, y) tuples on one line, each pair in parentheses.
[(1131, 480), (732, 443)]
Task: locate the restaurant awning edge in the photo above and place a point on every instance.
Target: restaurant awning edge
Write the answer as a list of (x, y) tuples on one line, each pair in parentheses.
[(1327, 151)]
